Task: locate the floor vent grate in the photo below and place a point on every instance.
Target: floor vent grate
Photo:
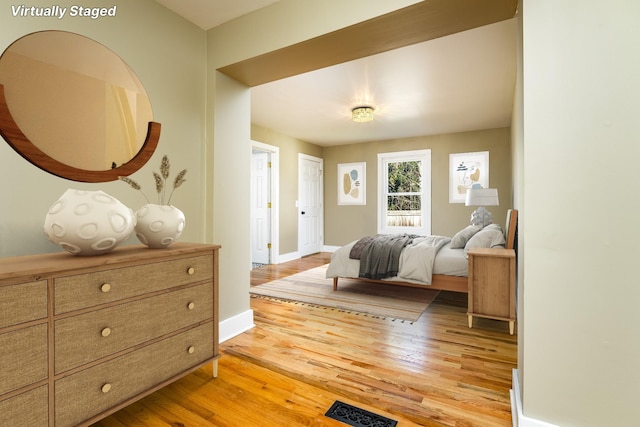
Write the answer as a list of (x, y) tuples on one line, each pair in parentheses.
[(357, 417)]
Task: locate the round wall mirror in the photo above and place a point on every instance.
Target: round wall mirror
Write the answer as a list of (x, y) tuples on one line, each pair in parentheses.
[(74, 108)]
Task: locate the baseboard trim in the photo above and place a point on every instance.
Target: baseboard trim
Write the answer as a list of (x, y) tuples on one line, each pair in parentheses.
[(235, 325), (288, 257), (296, 255), (518, 418)]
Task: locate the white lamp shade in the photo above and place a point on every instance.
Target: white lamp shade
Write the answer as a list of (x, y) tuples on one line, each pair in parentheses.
[(482, 197)]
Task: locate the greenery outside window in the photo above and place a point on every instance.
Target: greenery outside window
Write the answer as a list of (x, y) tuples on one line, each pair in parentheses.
[(404, 187)]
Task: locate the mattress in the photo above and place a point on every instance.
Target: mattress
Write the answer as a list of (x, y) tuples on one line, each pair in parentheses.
[(449, 262)]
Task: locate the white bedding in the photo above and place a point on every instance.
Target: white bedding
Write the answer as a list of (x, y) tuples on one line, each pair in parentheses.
[(450, 262)]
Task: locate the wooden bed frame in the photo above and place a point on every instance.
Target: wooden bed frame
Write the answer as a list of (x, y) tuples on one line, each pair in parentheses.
[(442, 282)]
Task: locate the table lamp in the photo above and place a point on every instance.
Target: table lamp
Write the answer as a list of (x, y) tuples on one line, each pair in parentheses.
[(481, 197)]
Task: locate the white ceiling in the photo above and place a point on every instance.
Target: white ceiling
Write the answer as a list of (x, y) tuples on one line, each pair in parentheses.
[(457, 83), (207, 14)]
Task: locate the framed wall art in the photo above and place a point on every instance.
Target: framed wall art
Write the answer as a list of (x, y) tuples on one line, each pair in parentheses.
[(467, 170), (352, 183)]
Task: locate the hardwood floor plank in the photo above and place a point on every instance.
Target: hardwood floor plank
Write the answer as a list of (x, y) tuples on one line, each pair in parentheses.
[(299, 359)]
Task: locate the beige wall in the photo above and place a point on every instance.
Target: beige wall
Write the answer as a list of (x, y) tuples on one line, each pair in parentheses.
[(144, 34), (347, 223), (580, 105)]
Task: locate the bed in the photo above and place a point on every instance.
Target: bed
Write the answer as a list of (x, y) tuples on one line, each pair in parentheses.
[(434, 261)]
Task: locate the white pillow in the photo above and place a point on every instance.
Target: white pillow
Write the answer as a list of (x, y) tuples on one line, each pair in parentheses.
[(491, 236), (462, 237), (494, 227)]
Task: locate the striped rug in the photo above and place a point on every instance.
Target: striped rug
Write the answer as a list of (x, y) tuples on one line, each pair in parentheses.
[(378, 300)]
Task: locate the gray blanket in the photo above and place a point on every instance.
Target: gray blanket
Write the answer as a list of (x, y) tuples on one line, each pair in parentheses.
[(380, 258), (359, 246)]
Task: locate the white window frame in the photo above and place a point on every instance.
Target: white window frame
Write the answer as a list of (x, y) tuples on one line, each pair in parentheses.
[(424, 157)]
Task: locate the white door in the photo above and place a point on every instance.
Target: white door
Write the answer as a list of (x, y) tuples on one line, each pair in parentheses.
[(310, 198), (260, 209)]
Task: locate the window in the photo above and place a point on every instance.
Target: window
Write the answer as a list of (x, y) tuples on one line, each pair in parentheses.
[(404, 186)]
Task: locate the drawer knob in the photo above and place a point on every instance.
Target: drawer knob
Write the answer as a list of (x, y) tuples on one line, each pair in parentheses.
[(191, 349), (191, 270), (106, 388), (105, 287), (191, 305), (106, 332)]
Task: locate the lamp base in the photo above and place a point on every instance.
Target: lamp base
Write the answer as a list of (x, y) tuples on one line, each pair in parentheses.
[(481, 217)]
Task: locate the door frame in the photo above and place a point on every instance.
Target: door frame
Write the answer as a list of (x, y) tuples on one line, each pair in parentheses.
[(274, 188), (320, 160)]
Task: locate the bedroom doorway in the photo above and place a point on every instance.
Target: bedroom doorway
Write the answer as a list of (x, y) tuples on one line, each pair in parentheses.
[(310, 205), (264, 204)]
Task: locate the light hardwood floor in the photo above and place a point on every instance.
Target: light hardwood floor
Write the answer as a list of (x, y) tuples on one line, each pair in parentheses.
[(290, 368)]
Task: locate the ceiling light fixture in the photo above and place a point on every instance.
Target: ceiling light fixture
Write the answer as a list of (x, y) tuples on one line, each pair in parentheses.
[(362, 114)]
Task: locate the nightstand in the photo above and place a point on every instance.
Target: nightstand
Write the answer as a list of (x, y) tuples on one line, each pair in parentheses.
[(492, 285)]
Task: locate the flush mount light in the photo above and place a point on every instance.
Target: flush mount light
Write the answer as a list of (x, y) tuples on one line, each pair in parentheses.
[(362, 114)]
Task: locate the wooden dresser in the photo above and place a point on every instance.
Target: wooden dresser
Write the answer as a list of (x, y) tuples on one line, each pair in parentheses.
[(81, 337)]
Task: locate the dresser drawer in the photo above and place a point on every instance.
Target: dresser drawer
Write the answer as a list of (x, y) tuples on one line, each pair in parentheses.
[(87, 337), (91, 289), (23, 302), (30, 409), (23, 357), (92, 391)]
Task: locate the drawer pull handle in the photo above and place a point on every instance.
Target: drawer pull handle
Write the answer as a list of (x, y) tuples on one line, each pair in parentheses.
[(191, 349), (105, 332), (191, 305), (106, 388), (191, 270), (105, 287)]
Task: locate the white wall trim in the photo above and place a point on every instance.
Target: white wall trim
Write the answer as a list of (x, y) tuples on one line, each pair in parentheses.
[(289, 257), (235, 325), (296, 255), (519, 419)]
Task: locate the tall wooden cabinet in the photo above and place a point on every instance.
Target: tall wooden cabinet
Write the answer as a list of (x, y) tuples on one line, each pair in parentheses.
[(81, 337), (492, 285)]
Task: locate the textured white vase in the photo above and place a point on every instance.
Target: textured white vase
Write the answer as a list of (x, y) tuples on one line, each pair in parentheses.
[(88, 222), (158, 226)]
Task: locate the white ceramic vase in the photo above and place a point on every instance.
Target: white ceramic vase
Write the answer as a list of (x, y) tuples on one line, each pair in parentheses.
[(86, 222), (158, 226)]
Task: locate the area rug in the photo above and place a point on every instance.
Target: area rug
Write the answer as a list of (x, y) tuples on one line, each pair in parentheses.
[(379, 300)]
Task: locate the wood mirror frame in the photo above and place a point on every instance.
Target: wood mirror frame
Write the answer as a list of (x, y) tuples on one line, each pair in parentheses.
[(17, 139)]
